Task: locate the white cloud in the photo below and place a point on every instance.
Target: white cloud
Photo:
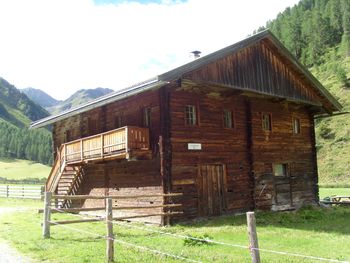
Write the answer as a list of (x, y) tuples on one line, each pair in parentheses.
[(61, 46)]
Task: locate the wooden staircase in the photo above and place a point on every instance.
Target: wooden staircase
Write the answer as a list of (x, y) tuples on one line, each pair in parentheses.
[(64, 179), (67, 173), (69, 184)]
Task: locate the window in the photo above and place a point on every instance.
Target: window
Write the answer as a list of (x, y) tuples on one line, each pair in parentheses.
[(280, 169), (296, 125), (190, 115), (146, 117), (93, 126), (118, 121), (69, 135), (228, 119), (266, 121)]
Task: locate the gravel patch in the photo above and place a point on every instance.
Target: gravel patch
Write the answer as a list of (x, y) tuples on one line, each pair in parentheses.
[(7, 253)]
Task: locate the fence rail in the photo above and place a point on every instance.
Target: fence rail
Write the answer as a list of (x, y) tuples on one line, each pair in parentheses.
[(25, 192)]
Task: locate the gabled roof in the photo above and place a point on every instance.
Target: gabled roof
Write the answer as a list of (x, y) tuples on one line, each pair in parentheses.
[(177, 73)]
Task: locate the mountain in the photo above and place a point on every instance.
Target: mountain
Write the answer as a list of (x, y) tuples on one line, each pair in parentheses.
[(317, 32), (16, 107), (79, 97), (56, 106), (16, 113), (40, 97)]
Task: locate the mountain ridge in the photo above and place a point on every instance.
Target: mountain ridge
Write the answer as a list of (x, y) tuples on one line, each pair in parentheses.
[(56, 106)]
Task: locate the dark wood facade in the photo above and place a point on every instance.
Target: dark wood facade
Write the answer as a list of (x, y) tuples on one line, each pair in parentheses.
[(232, 134)]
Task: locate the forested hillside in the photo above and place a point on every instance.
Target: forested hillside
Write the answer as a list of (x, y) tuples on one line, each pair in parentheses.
[(317, 32), (16, 113)]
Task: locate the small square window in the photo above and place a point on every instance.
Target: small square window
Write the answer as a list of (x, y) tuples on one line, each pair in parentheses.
[(296, 125), (266, 122), (280, 169), (228, 119), (190, 115), (147, 117)]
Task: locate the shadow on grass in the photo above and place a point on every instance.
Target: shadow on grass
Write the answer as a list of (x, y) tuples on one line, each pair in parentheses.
[(335, 219)]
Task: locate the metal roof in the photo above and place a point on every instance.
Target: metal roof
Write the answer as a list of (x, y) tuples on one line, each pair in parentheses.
[(176, 73)]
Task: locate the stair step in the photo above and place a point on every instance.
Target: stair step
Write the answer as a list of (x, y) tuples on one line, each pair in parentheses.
[(68, 176), (69, 173), (66, 180), (60, 184)]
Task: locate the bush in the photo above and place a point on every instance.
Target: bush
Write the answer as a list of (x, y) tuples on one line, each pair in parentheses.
[(201, 240)]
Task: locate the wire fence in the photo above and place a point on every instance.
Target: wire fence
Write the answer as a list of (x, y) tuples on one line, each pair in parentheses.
[(180, 236)]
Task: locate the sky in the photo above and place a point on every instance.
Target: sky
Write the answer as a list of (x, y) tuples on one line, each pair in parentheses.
[(61, 46)]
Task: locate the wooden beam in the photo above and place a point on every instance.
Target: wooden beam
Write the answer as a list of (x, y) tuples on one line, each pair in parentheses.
[(81, 197), (85, 209), (147, 215)]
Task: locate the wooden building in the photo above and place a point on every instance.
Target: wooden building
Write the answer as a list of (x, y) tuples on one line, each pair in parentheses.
[(232, 131)]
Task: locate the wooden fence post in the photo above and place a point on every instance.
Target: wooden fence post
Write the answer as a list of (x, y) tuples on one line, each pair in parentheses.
[(110, 236), (42, 192), (47, 215), (253, 238), (7, 190)]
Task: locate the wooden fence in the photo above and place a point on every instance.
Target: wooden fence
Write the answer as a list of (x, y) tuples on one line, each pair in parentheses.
[(23, 191), (108, 219)]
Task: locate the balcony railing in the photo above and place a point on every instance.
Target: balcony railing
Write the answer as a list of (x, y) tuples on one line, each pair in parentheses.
[(114, 143)]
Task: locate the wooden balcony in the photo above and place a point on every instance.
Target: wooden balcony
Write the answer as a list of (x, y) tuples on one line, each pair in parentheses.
[(124, 143)]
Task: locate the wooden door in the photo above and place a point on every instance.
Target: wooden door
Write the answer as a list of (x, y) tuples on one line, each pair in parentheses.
[(211, 183), (283, 192)]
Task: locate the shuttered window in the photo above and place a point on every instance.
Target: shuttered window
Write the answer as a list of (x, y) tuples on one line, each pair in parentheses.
[(296, 125), (190, 115), (93, 126), (118, 121), (147, 117), (266, 122), (228, 119)]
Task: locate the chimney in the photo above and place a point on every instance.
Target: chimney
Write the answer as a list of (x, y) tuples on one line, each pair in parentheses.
[(196, 54)]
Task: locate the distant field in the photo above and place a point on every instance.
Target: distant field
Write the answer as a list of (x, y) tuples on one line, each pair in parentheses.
[(21, 169)]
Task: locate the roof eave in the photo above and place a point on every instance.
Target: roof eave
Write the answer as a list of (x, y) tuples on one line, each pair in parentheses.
[(337, 106), (118, 95)]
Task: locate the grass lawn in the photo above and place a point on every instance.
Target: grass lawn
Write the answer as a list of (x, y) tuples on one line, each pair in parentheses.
[(310, 231), (334, 191), (21, 169)]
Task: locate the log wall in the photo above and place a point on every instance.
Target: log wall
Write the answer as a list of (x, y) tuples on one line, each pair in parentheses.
[(226, 146), (119, 176), (246, 151), (281, 145), (125, 178), (104, 118)]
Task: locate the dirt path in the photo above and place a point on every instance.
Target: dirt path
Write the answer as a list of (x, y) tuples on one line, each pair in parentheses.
[(7, 253)]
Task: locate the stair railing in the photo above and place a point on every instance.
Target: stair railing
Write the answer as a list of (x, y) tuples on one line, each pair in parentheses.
[(56, 170)]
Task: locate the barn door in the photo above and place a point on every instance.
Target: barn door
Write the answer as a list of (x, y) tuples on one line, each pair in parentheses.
[(211, 189)]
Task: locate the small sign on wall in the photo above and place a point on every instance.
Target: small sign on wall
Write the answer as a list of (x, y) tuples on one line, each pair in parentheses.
[(194, 146)]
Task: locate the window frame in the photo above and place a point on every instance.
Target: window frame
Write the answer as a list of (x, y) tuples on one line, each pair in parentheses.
[(298, 130), (269, 129), (118, 121), (285, 170), (147, 117), (93, 125), (194, 120), (231, 118)]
